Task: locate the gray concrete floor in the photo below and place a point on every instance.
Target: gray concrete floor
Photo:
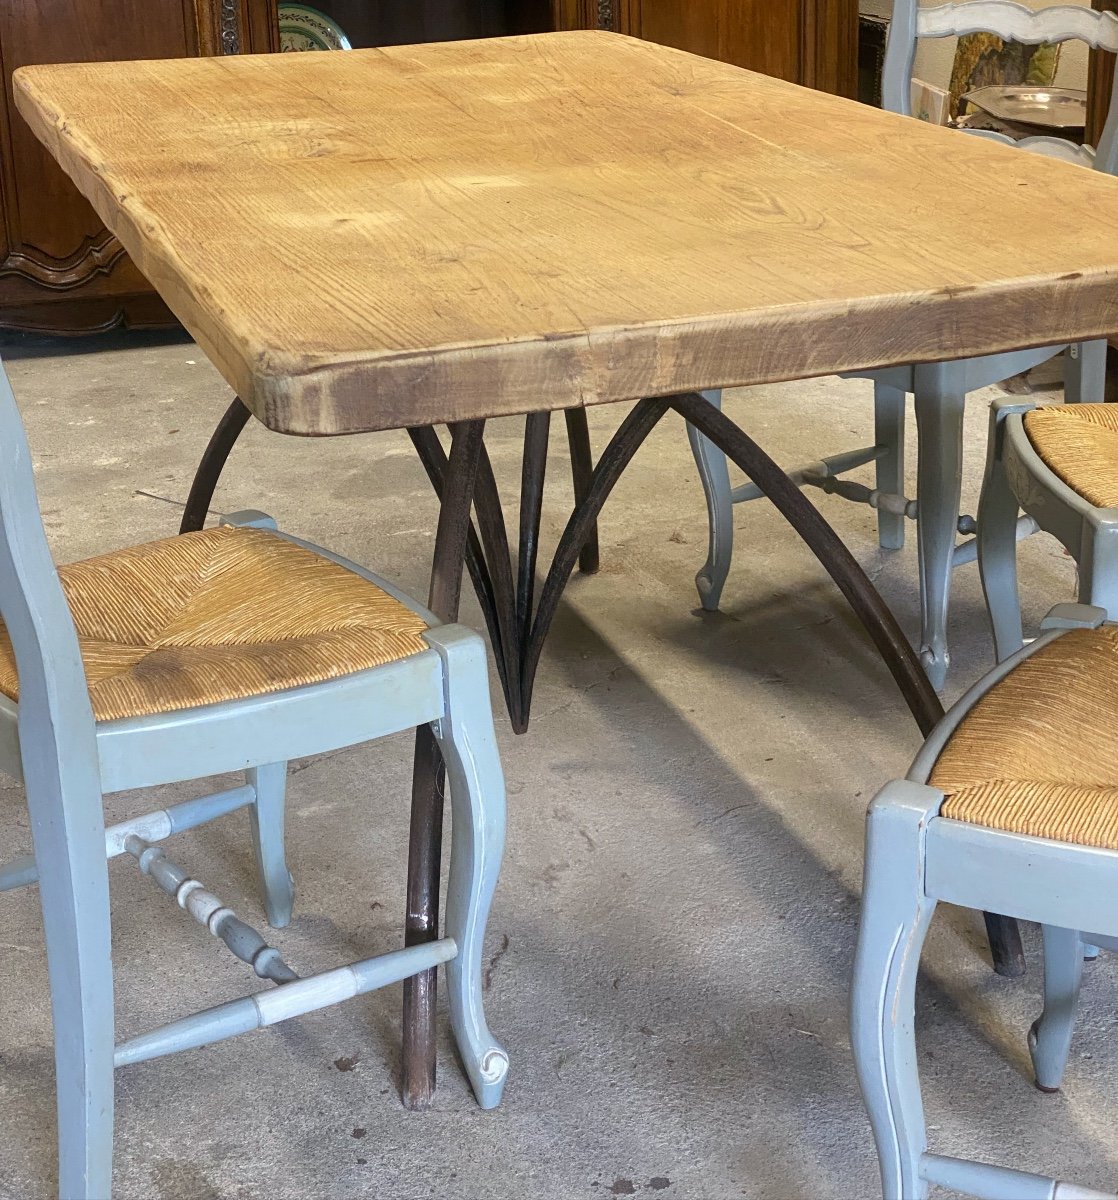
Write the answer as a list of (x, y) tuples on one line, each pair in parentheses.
[(672, 937)]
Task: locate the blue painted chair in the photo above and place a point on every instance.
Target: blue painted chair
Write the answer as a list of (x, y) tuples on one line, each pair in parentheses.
[(939, 390), (1001, 811), (230, 649), (1059, 464)]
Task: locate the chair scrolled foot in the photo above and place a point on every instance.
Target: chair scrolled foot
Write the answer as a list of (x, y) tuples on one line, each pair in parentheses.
[(477, 798), (710, 593), (279, 901), (488, 1072), (1040, 1087), (1051, 1034), (935, 663)]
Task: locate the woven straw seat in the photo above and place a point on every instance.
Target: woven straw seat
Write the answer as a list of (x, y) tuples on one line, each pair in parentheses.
[(223, 614), (1038, 754), (1079, 443)]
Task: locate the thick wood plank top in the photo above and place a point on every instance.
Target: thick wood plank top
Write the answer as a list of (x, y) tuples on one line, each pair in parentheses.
[(377, 238)]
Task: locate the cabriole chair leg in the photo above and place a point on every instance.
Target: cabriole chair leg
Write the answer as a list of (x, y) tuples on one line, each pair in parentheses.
[(477, 796), (1050, 1036), (1085, 373), (997, 539), (74, 895), (896, 914), (714, 474), (1098, 569), (267, 817), (889, 421), (940, 399)]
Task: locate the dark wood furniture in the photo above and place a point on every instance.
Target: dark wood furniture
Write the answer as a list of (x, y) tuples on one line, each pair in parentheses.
[(813, 42), (406, 22), (60, 269)]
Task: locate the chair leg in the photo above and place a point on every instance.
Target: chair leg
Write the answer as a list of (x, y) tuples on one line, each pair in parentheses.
[(889, 421), (1050, 1036), (940, 401), (267, 816), (1098, 568), (715, 477), (1085, 373), (221, 443), (997, 541), (74, 895), (477, 798), (895, 918)]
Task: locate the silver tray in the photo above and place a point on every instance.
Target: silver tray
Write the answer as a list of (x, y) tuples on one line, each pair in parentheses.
[(1053, 108)]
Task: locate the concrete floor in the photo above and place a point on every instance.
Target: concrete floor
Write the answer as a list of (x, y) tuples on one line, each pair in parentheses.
[(674, 929)]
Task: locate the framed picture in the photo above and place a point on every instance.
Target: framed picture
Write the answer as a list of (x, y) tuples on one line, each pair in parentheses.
[(930, 103)]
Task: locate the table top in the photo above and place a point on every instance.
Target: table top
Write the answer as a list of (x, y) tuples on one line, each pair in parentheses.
[(411, 235)]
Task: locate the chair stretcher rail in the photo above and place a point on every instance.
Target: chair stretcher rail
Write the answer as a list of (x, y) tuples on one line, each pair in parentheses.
[(288, 1000), (153, 827)]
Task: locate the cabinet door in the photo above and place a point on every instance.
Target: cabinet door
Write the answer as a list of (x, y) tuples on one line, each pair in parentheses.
[(763, 35), (55, 254), (813, 42)]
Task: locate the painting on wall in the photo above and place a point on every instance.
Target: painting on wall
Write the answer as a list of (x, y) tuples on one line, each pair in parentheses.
[(983, 59)]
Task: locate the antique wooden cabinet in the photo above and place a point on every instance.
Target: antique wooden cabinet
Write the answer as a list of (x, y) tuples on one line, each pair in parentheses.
[(60, 269), (813, 42)]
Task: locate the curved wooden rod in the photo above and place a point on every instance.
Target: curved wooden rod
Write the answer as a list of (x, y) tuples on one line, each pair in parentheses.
[(828, 548), (434, 460), (628, 439), (213, 462), (800, 513), (582, 468)]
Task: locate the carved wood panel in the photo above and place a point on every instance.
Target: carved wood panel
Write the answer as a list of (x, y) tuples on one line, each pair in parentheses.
[(55, 255)]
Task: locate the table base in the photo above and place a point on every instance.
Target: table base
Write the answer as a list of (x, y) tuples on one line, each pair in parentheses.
[(518, 619)]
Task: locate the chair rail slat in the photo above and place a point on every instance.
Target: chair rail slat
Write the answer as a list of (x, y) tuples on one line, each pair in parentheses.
[(1016, 23)]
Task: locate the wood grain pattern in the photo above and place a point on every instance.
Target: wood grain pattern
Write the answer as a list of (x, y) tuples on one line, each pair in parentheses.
[(433, 233)]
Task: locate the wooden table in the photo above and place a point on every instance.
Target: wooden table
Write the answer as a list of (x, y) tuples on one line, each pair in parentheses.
[(406, 237)]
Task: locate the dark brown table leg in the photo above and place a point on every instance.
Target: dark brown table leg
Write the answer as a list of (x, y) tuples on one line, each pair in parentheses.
[(425, 841), (582, 468), (213, 461)]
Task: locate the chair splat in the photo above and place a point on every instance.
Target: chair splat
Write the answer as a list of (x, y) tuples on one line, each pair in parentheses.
[(1016, 23)]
